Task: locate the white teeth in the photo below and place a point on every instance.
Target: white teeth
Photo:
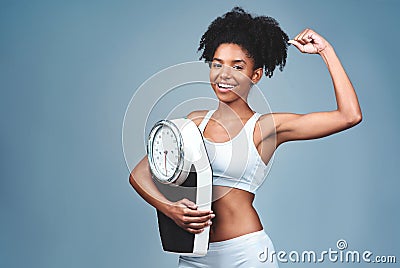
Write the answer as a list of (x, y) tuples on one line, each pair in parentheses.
[(225, 85)]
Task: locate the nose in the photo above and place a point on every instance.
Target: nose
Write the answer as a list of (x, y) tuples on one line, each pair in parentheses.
[(226, 72)]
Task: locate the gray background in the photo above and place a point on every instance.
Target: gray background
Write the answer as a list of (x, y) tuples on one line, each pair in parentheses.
[(68, 71)]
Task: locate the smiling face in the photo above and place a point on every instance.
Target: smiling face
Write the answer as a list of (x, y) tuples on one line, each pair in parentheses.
[(232, 73)]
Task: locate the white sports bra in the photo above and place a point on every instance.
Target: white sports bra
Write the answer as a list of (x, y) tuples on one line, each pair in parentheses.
[(236, 163)]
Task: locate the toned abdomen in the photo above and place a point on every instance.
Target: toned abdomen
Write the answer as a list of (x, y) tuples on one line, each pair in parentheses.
[(234, 214)]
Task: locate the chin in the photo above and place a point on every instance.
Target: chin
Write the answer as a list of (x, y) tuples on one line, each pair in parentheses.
[(227, 97)]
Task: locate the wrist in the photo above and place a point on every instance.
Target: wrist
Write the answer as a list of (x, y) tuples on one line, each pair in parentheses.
[(165, 207), (327, 54), (326, 51)]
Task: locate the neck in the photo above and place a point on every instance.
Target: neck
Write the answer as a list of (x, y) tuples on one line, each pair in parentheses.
[(239, 108)]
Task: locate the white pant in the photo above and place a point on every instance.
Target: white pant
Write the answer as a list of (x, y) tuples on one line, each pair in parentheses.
[(246, 251)]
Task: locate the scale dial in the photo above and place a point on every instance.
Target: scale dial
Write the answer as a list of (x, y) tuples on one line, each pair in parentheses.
[(165, 151)]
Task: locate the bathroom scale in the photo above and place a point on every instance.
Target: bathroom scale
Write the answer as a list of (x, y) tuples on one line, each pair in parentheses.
[(179, 163)]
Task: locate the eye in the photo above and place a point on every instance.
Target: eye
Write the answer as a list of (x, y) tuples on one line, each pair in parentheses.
[(216, 65), (238, 67)]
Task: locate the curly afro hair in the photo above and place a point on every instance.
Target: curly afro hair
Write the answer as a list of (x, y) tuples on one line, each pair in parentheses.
[(261, 37)]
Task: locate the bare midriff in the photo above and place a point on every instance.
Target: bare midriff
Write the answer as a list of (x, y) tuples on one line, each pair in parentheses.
[(234, 214)]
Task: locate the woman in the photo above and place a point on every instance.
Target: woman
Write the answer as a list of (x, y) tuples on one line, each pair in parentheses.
[(240, 48)]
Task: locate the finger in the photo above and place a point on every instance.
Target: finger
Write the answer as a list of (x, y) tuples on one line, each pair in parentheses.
[(188, 203), (188, 219), (304, 38), (303, 34), (301, 41), (297, 45), (300, 34), (194, 231), (297, 37), (197, 226), (308, 37), (196, 213)]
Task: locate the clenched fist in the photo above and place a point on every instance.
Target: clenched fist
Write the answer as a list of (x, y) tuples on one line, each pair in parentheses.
[(309, 41)]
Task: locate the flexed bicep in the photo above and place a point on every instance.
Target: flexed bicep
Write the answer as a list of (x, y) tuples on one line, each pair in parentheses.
[(291, 126)]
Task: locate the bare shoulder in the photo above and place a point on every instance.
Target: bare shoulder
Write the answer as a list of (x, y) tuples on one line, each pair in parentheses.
[(197, 116)]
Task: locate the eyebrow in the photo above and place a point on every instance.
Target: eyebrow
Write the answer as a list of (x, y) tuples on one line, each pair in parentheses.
[(234, 61)]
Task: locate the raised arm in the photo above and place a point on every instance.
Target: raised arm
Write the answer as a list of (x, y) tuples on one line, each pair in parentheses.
[(290, 126)]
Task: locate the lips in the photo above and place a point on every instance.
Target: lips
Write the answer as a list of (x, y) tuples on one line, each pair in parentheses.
[(224, 87)]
